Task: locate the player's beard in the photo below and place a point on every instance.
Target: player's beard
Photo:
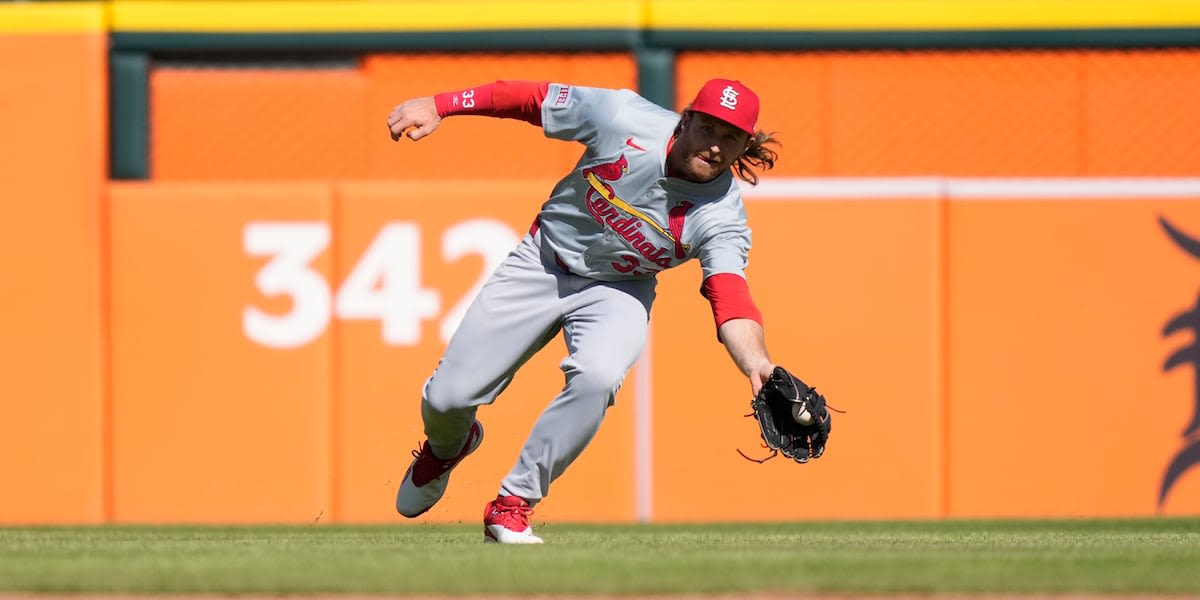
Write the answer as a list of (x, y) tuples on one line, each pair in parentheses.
[(700, 170), (695, 165)]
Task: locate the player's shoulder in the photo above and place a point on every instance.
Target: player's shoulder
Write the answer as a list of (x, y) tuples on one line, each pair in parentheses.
[(563, 94), (637, 101), (640, 116)]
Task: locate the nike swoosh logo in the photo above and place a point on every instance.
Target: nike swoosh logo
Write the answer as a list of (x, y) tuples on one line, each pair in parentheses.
[(629, 142)]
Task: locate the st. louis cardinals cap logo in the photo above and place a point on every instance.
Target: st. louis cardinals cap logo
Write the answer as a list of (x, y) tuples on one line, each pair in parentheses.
[(729, 100), (729, 97)]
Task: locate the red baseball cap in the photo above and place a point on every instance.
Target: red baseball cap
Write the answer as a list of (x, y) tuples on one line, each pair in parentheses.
[(730, 101)]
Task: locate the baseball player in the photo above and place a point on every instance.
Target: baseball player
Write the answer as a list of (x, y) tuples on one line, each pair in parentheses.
[(652, 190)]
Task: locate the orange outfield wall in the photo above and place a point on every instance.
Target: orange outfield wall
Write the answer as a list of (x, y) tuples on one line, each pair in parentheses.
[(196, 356), (53, 115)]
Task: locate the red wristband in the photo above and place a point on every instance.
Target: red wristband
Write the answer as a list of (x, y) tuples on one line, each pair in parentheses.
[(471, 101), (729, 295)]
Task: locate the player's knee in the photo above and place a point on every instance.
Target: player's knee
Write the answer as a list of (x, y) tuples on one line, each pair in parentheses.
[(596, 380), (445, 395)]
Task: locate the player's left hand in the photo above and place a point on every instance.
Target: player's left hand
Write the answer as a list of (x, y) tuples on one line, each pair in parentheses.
[(759, 377)]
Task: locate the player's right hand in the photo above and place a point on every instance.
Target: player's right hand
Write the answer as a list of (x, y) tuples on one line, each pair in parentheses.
[(418, 117)]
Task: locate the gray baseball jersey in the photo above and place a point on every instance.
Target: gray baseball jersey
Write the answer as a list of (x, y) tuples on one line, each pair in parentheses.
[(617, 215)]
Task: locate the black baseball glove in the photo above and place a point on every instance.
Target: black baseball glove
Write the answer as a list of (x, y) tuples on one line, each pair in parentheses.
[(776, 407)]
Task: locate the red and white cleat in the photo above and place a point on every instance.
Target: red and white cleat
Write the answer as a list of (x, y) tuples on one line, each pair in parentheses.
[(506, 521), (425, 482)]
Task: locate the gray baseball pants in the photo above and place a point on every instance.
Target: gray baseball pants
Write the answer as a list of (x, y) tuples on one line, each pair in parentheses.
[(524, 304)]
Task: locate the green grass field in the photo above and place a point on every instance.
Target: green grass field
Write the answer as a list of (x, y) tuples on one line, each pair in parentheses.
[(1092, 556)]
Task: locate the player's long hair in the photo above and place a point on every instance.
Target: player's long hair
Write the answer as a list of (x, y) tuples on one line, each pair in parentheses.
[(756, 156)]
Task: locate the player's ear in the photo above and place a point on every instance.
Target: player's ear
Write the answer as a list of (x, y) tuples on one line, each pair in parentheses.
[(682, 124)]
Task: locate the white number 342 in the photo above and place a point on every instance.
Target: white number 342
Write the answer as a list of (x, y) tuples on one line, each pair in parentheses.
[(384, 284)]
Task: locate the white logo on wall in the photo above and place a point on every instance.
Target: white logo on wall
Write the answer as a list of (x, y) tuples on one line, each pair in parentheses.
[(729, 97)]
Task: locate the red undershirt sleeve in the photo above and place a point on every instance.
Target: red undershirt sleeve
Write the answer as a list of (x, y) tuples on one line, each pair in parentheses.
[(504, 99), (729, 295)]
